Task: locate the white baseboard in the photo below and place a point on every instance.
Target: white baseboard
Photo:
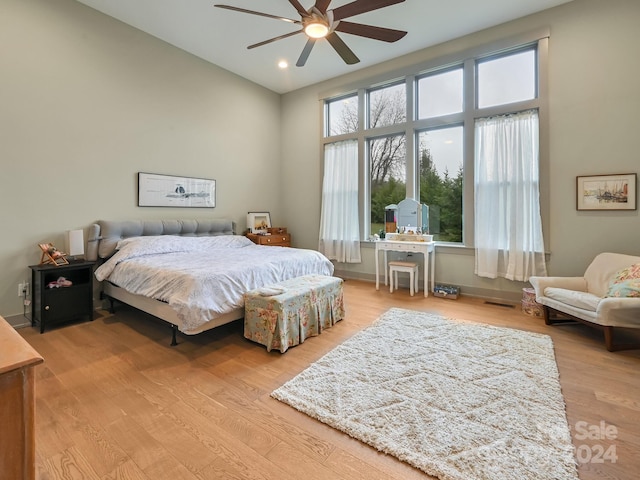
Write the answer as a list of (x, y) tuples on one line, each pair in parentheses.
[(499, 296)]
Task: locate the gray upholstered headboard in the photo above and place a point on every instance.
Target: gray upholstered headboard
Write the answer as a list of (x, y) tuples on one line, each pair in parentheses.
[(104, 235)]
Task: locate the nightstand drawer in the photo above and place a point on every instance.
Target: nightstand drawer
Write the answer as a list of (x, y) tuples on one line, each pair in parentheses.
[(280, 240), (273, 240)]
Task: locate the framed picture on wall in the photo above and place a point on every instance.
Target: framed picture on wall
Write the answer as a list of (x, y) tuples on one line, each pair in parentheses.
[(606, 192), (258, 222), (156, 190)]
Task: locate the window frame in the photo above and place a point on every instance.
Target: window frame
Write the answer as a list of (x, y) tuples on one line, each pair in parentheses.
[(327, 117), (468, 59), (377, 88)]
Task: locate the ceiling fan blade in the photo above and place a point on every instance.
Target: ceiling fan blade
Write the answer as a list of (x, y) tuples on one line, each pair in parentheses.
[(301, 10), (369, 31), (361, 6), (339, 46), (252, 12), (305, 52), (322, 5), (286, 35)]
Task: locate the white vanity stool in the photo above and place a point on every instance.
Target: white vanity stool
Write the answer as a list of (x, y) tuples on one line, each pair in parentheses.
[(404, 267)]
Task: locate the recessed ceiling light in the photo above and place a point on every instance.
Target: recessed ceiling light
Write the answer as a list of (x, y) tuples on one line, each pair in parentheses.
[(283, 64)]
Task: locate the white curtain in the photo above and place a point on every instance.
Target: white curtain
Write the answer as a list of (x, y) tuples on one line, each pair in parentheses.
[(508, 227), (339, 221)]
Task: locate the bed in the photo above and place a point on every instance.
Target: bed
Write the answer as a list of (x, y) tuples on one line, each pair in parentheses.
[(192, 274)]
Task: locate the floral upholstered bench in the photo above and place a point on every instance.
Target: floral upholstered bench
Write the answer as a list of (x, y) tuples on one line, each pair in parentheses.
[(283, 315)]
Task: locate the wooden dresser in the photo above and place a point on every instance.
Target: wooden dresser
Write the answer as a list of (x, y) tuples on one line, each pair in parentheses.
[(17, 404), (278, 237)]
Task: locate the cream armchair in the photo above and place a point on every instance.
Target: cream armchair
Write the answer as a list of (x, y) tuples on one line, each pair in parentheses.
[(592, 298)]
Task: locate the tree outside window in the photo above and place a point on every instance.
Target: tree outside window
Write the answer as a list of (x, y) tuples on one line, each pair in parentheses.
[(441, 180)]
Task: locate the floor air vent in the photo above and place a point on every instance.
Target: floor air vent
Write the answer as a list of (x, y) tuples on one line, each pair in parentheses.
[(498, 304)]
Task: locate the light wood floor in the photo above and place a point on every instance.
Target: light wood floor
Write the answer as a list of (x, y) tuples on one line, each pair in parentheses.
[(115, 401)]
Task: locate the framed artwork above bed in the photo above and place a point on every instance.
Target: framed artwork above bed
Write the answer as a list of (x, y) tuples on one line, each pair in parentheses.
[(156, 190)]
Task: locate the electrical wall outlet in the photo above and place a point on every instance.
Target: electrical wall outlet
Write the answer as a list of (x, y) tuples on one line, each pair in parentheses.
[(23, 289)]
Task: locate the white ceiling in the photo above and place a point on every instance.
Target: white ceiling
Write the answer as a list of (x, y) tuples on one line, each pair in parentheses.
[(221, 36)]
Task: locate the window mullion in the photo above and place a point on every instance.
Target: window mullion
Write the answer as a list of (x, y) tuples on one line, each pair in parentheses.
[(470, 88), (364, 201), (413, 190)]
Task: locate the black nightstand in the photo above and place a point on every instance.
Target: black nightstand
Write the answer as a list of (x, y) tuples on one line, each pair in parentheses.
[(56, 304)]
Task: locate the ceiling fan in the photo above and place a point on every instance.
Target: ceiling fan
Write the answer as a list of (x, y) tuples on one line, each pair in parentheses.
[(318, 22)]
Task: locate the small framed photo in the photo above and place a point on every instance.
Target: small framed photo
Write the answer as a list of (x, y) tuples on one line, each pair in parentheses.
[(258, 222), (606, 192)]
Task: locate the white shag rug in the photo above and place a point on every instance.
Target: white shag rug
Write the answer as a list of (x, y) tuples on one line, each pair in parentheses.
[(457, 400)]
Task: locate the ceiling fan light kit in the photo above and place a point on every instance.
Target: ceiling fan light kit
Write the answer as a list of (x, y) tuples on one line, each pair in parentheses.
[(316, 29), (318, 22)]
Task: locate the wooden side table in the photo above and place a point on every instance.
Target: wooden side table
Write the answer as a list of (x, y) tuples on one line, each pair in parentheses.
[(277, 237), (53, 303)]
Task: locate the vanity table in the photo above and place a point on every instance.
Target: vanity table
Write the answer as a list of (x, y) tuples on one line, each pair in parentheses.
[(409, 247)]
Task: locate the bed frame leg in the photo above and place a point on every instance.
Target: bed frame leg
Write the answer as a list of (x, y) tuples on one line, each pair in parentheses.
[(174, 332), (112, 308)]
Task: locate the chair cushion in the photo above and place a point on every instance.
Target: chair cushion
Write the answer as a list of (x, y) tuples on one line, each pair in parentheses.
[(396, 263), (626, 282), (583, 300)]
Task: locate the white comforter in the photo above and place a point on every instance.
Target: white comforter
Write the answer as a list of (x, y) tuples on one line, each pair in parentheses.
[(202, 278)]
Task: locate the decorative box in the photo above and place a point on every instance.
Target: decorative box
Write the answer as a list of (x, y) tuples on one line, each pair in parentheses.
[(277, 230), (529, 304), (446, 291)]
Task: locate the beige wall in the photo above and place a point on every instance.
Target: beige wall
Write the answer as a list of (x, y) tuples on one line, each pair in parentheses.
[(594, 103), (86, 102)]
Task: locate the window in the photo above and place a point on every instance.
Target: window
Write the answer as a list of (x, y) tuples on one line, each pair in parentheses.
[(441, 179), (342, 115), (440, 94), (339, 220), (440, 153), (388, 176), (507, 79), (416, 135), (509, 239), (387, 106)]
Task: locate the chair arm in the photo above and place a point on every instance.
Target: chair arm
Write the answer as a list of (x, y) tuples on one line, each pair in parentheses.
[(619, 312), (570, 283), (619, 303)]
